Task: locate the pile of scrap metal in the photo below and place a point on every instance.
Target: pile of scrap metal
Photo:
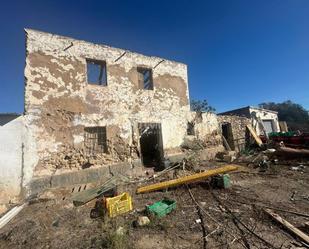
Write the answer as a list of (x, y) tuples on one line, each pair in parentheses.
[(281, 145), (294, 139), (275, 155)]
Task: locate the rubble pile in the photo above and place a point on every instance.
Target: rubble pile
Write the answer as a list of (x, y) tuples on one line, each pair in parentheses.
[(192, 203)]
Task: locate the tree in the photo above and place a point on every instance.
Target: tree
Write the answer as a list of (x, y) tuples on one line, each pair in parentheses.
[(294, 114), (201, 106)]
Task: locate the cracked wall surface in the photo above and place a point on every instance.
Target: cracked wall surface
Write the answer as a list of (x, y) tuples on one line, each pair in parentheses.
[(59, 103)]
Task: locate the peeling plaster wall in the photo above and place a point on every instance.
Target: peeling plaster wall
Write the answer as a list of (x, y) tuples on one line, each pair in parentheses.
[(59, 103)]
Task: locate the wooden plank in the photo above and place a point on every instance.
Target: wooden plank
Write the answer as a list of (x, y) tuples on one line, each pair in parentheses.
[(226, 144), (254, 135), (85, 196), (10, 215), (274, 208), (283, 126), (288, 225), (291, 152), (261, 124), (186, 179)]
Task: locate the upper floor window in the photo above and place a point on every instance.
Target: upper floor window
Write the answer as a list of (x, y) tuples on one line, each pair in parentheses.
[(96, 72), (145, 78)]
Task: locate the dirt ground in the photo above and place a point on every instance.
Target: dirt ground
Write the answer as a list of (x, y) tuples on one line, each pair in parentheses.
[(230, 218)]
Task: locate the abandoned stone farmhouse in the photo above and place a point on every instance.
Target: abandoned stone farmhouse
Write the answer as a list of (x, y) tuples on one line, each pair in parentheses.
[(260, 118), (92, 110)]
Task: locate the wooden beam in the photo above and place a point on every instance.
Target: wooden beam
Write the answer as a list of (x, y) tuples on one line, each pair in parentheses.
[(10, 215), (81, 198), (254, 135), (288, 225), (186, 179), (226, 144)]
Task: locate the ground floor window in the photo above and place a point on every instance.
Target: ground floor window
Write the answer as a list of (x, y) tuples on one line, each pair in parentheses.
[(95, 140)]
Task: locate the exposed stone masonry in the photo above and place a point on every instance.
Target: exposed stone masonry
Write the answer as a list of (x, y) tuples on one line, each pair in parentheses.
[(59, 103), (238, 125)]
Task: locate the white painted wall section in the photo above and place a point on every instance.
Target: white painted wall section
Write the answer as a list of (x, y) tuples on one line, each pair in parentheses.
[(11, 135)]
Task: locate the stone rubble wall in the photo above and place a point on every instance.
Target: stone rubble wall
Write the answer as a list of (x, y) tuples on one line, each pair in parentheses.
[(207, 130), (59, 103), (239, 130)]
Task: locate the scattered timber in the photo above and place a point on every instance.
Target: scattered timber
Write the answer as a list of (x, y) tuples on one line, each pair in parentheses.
[(290, 152), (226, 144), (85, 196), (10, 215), (273, 208), (254, 135), (205, 232), (186, 179), (288, 225), (235, 219)]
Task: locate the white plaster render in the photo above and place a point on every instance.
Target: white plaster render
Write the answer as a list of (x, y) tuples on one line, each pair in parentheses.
[(11, 159), (264, 114), (31, 156), (56, 85)]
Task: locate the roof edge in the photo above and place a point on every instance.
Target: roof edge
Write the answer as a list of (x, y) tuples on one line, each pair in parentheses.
[(28, 30)]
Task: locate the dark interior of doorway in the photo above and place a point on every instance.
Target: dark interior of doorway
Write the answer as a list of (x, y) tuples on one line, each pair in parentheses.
[(228, 134), (151, 145)]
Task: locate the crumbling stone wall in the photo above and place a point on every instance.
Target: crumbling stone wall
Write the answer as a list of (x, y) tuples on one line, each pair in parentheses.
[(206, 127), (239, 130), (207, 131), (59, 103)]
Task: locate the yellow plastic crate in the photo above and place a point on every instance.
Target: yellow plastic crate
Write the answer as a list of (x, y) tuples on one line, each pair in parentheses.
[(119, 204)]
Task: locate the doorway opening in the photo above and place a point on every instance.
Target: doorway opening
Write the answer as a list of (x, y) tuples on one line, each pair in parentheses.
[(228, 134), (151, 144)]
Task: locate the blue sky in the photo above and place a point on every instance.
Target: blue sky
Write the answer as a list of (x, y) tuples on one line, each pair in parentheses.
[(238, 52)]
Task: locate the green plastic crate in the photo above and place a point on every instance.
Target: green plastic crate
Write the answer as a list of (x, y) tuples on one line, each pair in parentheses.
[(282, 134), (162, 208)]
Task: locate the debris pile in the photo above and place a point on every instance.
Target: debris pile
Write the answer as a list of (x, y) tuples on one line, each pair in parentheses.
[(189, 204)]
